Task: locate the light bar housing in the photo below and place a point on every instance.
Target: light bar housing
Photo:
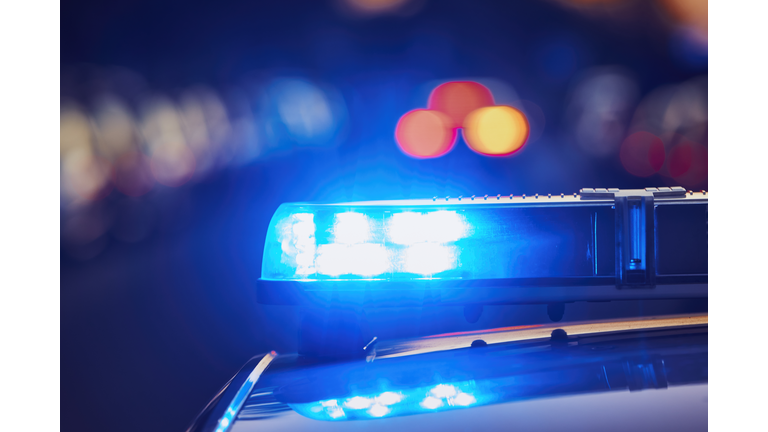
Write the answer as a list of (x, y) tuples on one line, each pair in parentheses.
[(599, 244)]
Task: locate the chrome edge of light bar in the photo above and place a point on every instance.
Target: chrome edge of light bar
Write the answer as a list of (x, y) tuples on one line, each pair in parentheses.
[(450, 341), (587, 197)]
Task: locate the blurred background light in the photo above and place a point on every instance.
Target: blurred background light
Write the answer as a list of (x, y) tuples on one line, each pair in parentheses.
[(690, 13), (133, 174), (497, 130), (675, 109), (642, 154), (206, 128), (602, 102), (688, 164), (114, 127), (372, 8), (425, 133), (85, 176), (677, 114), (172, 162), (173, 165), (300, 113), (83, 231), (457, 99), (535, 117)]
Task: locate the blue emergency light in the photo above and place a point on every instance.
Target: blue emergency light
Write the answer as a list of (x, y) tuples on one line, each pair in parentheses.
[(599, 244)]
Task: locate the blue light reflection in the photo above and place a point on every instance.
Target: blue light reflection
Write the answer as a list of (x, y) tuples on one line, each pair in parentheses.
[(391, 403)]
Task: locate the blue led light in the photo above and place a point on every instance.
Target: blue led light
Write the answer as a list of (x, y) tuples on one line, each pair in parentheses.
[(297, 242), (435, 227), (364, 259), (429, 258), (383, 241), (396, 403), (351, 228)]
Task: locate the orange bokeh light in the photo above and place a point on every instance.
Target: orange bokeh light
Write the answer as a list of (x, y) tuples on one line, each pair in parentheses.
[(425, 133), (459, 98), (496, 130), (642, 154)]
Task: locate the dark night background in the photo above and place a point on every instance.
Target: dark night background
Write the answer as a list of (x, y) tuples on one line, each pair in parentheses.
[(157, 304)]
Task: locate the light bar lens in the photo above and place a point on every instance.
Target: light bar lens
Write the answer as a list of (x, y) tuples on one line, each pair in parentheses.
[(336, 242)]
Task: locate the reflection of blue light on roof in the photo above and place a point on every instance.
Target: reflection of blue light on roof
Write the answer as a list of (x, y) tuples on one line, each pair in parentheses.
[(390, 403), (332, 409), (464, 399), (358, 402), (378, 411), (432, 402), (389, 398), (443, 391)]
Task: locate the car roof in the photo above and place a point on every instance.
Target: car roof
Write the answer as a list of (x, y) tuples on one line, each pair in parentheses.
[(596, 375)]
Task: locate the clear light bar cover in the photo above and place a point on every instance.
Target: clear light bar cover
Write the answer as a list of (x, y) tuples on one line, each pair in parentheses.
[(399, 242)]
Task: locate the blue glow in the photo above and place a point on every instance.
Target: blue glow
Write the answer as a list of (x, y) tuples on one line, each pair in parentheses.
[(464, 399), (389, 398), (432, 402), (297, 242), (391, 403), (242, 393), (383, 241), (297, 112), (443, 391), (430, 258), (332, 409), (378, 411), (351, 228), (358, 402), (442, 226), (366, 259)]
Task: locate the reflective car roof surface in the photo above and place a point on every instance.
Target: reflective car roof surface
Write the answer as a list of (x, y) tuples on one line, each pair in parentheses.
[(648, 374)]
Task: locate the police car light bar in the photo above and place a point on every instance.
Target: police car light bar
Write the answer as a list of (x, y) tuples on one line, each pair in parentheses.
[(600, 244)]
